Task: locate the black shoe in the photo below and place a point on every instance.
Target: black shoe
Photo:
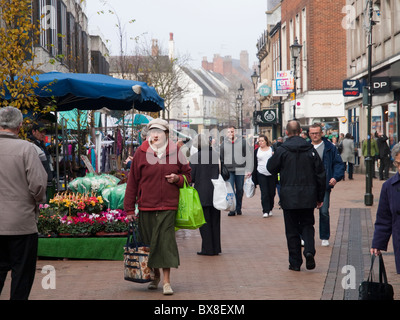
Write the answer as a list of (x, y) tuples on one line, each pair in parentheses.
[(239, 213), (310, 262), (200, 253), (293, 268), (231, 214)]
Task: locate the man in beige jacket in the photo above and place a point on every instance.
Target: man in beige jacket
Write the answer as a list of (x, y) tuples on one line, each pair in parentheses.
[(23, 183)]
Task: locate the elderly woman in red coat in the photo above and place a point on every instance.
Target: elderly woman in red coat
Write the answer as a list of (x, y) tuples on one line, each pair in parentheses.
[(154, 180), (388, 215)]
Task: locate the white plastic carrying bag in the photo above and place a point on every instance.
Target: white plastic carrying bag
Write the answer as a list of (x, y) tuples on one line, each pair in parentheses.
[(224, 197), (249, 187)]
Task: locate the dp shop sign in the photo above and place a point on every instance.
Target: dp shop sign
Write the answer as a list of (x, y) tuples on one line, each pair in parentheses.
[(381, 85), (353, 88)]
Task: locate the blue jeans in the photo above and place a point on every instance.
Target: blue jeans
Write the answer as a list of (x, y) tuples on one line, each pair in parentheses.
[(237, 182), (324, 226)]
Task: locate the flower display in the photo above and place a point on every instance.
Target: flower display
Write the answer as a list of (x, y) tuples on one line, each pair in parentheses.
[(81, 225), (113, 221), (48, 221), (73, 203), (75, 214)]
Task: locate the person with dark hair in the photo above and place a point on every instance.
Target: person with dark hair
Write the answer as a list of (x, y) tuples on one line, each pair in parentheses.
[(262, 177), (237, 157), (384, 155), (37, 137), (205, 166), (303, 184)]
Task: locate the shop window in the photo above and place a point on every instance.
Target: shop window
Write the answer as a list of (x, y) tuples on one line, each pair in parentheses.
[(330, 126)]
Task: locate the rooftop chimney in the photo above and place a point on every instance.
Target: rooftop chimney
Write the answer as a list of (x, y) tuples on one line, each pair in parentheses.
[(154, 47), (171, 50)]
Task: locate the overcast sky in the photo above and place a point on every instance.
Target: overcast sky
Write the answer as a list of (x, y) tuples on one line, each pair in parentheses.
[(201, 28)]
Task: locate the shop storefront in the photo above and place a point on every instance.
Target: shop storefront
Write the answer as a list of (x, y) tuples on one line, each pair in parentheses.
[(269, 121), (384, 118)]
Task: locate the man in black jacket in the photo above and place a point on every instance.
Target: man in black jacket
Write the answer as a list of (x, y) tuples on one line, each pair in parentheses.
[(302, 178), (37, 137), (384, 155)]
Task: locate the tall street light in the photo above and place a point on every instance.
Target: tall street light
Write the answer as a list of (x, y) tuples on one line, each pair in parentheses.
[(295, 50), (254, 79), (239, 104), (369, 197)]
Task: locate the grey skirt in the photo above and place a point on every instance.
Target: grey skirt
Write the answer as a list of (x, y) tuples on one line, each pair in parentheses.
[(157, 229)]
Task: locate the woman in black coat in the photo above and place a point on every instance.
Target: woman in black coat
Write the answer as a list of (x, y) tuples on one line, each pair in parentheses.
[(205, 166)]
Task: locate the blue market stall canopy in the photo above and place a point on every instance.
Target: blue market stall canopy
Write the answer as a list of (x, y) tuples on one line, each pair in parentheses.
[(138, 119), (87, 91)]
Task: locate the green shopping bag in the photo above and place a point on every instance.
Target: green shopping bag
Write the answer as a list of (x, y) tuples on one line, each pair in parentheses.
[(190, 212)]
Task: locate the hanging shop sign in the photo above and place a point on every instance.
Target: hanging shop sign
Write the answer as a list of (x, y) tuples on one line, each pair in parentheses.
[(381, 85), (351, 88), (266, 116), (264, 90), (283, 84)]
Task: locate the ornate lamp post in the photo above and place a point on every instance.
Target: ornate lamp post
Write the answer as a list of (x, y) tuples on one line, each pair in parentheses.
[(369, 197), (295, 50), (254, 79), (239, 104)]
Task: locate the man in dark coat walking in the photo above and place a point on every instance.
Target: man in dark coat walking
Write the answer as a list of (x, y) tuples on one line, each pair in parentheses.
[(384, 155), (302, 178)]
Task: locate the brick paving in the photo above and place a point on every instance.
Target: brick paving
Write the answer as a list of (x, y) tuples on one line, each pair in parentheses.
[(253, 264)]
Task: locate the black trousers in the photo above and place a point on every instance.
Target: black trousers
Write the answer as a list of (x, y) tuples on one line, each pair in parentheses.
[(211, 231), (267, 186), (18, 254), (384, 167), (299, 222)]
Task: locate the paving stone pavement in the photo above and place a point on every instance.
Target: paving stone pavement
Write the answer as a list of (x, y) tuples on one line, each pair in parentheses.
[(253, 264)]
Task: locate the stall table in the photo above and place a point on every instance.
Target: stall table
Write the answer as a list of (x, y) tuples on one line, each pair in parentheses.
[(107, 248)]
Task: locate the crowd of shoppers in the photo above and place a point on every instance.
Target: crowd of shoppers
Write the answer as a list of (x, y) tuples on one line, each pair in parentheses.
[(303, 168)]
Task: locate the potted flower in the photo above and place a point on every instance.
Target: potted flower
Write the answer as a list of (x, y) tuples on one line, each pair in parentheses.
[(48, 221), (112, 223), (73, 203), (80, 226)]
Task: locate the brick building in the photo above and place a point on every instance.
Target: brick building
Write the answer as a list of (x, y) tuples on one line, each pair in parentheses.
[(321, 66)]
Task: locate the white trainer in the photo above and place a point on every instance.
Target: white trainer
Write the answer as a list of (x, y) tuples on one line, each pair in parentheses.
[(265, 215), (325, 243)]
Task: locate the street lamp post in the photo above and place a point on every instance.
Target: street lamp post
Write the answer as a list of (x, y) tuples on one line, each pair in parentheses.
[(369, 197), (254, 79), (295, 50), (239, 104)]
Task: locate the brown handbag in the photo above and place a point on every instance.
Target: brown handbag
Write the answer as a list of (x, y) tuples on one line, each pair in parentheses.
[(136, 257)]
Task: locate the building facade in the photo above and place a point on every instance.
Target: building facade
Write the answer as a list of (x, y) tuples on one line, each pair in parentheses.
[(321, 66), (65, 44), (385, 68), (269, 56)]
